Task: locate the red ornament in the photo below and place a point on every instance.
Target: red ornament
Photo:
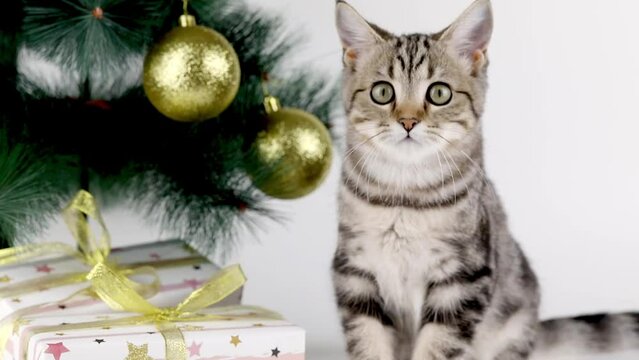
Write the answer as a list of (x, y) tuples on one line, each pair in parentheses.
[(100, 104)]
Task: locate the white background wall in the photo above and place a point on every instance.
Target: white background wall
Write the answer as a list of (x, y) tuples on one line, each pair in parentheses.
[(562, 137)]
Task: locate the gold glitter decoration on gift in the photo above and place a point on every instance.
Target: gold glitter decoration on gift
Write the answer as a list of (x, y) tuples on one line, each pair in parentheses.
[(191, 328), (193, 73), (235, 340), (138, 352), (293, 155)]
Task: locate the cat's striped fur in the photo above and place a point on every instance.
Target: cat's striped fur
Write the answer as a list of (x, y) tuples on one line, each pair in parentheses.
[(425, 267)]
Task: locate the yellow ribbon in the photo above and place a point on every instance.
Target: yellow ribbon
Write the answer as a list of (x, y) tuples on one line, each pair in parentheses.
[(112, 284), (175, 346), (121, 294), (92, 248), (77, 214), (118, 292)]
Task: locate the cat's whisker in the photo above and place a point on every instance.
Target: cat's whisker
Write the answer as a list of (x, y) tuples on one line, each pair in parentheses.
[(370, 154), (450, 168), (368, 171), (441, 169), (454, 131), (482, 173), (370, 126), (354, 148), (478, 167), (365, 155), (461, 175)]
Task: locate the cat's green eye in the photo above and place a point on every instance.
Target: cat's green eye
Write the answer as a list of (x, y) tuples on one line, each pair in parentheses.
[(439, 94), (383, 93)]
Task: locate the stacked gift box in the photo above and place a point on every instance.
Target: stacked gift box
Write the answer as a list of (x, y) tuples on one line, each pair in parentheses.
[(155, 301)]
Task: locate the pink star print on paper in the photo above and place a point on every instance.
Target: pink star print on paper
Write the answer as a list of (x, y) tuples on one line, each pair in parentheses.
[(155, 256), (193, 283), (44, 268), (194, 349), (56, 350)]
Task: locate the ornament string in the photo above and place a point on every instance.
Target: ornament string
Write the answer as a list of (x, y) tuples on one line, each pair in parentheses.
[(271, 103), (186, 19)]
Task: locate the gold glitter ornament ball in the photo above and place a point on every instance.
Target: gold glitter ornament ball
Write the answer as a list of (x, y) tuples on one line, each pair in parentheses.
[(193, 74), (293, 154)]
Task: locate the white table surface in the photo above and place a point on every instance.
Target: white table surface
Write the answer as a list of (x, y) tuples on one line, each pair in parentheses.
[(336, 355)]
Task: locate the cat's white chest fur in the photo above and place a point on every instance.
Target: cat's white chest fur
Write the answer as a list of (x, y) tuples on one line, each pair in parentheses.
[(402, 248), (400, 270)]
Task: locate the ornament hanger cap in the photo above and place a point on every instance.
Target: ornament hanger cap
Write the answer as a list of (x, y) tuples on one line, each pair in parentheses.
[(187, 20), (271, 104)]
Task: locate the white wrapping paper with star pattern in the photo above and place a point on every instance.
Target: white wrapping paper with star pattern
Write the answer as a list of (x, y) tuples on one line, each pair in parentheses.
[(245, 335), (180, 270)]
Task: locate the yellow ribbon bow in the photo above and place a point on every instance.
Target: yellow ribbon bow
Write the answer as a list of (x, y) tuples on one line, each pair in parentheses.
[(92, 248), (117, 292), (110, 282)]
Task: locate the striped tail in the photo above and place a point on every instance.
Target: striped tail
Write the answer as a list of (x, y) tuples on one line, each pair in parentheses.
[(586, 335)]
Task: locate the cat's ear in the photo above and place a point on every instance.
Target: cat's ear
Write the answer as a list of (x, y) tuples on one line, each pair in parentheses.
[(470, 34), (356, 34)]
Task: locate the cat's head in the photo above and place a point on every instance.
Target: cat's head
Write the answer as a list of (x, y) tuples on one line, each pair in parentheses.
[(411, 96)]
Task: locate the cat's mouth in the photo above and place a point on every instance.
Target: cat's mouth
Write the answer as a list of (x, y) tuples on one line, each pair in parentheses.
[(408, 140)]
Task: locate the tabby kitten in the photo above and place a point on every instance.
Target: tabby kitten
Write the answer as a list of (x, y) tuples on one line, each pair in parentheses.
[(425, 267)]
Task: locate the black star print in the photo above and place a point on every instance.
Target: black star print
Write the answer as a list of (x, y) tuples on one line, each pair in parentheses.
[(62, 306), (275, 352), (197, 267), (99, 341)]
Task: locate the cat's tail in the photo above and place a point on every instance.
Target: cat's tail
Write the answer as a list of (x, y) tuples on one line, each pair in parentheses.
[(590, 334)]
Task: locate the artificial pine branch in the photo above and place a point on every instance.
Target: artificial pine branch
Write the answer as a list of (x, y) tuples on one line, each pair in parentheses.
[(27, 200), (10, 17), (186, 178), (120, 28)]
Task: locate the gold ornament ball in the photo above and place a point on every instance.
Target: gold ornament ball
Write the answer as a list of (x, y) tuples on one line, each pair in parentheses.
[(296, 152), (193, 74)]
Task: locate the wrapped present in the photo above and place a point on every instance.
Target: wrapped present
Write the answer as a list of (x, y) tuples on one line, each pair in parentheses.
[(179, 269), (49, 278), (248, 334), (190, 330)]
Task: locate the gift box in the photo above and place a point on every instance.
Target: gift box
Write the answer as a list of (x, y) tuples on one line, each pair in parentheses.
[(240, 333), (52, 277), (96, 302), (178, 267)]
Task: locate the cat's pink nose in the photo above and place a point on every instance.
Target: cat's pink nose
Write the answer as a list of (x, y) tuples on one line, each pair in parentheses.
[(408, 124)]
